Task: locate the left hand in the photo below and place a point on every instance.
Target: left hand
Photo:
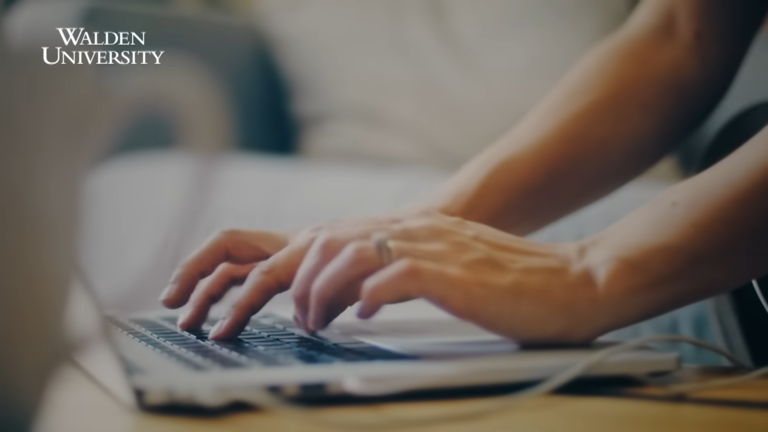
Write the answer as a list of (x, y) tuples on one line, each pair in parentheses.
[(527, 291)]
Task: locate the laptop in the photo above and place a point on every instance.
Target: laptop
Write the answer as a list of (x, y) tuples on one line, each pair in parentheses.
[(146, 361)]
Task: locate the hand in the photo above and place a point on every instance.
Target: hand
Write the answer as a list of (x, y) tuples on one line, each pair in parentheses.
[(527, 291), (264, 263)]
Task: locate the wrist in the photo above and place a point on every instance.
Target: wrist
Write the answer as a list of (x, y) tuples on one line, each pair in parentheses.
[(582, 306), (628, 279)]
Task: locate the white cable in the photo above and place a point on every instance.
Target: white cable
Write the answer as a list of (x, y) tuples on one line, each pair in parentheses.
[(760, 294), (270, 401), (687, 388), (581, 368)]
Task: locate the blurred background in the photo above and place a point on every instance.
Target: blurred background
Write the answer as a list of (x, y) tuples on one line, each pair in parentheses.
[(276, 114)]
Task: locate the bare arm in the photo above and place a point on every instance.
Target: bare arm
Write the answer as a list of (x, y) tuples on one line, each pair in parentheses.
[(702, 237), (617, 112)]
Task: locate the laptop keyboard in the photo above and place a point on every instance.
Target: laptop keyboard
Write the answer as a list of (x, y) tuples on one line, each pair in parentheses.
[(267, 341)]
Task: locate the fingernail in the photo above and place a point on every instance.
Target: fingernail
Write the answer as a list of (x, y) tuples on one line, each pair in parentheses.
[(364, 311), (217, 328), (299, 322), (314, 323), (182, 319), (166, 292)]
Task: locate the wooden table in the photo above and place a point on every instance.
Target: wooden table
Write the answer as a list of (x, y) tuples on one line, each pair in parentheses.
[(76, 404)]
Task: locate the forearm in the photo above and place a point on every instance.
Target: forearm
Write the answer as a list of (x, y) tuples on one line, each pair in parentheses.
[(704, 236), (616, 113)]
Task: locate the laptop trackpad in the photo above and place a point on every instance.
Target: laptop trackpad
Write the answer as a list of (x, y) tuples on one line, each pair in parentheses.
[(428, 338)]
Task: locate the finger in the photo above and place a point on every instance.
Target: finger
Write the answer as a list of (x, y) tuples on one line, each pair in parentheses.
[(410, 279), (232, 246), (338, 284), (324, 248), (268, 279), (329, 294), (211, 291)]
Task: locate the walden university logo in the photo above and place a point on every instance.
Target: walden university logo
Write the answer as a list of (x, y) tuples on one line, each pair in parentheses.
[(78, 37)]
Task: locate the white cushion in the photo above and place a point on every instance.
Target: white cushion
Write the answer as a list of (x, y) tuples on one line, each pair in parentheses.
[(424, 81), (143, 213)]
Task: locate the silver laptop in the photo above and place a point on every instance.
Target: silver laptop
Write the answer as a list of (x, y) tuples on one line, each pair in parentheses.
[(145, 360)]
